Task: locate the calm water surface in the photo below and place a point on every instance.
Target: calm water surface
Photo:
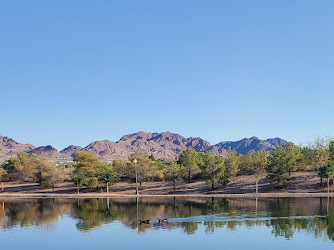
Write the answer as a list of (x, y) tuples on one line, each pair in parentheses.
[(194, 223)]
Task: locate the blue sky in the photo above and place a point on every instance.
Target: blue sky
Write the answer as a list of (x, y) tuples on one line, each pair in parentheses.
[(72, 72)]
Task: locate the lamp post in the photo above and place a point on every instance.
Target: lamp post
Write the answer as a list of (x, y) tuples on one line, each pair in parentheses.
[(135, 162)]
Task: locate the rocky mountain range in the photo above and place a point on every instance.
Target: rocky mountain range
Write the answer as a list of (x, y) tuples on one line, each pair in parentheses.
[(164, 146), (10, 148)]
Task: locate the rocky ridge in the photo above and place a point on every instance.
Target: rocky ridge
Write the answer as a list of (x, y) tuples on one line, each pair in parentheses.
[(10, 148), (164, 146)]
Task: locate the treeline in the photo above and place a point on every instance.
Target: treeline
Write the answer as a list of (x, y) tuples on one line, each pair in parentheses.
[(89, 171), (27, 167)]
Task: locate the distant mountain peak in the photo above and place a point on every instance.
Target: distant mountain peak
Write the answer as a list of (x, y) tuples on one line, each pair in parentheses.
[(71, 150), (254, 143), (46, 152), (253, 138), (9, 148)]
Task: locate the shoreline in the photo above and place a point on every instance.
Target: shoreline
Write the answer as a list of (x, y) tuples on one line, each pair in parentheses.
[(248, 195)]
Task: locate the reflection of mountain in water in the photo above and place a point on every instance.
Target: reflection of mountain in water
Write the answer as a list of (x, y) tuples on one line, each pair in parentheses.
[(284, 215)]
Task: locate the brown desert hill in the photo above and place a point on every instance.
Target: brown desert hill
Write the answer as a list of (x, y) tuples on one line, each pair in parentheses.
[(47, 152), (70, 150), (199, 145), (164, 146), (10, 148), (168, 146), (107, 150), (247, 144)]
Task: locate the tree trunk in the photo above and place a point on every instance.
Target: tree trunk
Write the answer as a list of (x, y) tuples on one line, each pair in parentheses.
[(257, 185), (174, 185), (78, 188), (212, 185), (321, 184), (328, 185), (189, 174), (107, 188)]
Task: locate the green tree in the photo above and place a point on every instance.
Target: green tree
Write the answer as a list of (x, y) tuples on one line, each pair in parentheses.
[(256, 163), (331, 150), (51, 175), (122, 168), (322, 173), (31, 167), (46, 173), (280, 164), (173, 172), (143, 165), (327, 171), (40, 166), (189, 159), (85, 158), (315, 155), (308, 155), (106, 176), (86, 169), (156, 170), (232, 163), (213, 168), (321, 156), (10, 168), (322, 141), (25, 168), (152, 158), (321, 150)]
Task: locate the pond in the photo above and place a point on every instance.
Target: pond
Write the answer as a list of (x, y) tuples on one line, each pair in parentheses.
[(193, 223)]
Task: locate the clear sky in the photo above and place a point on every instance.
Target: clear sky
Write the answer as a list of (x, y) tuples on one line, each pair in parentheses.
[(72, 72)]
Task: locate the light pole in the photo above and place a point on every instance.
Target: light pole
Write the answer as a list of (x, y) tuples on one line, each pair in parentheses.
[(135, 162)]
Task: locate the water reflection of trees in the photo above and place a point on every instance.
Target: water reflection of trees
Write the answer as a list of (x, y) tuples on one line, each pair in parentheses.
[(283, 216), (35, 212), (91, 213)]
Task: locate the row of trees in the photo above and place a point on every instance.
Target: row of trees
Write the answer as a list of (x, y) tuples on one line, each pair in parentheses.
[(27, 167), (89, 171), (215, 169), (317, 157), (222, 170), (190, 165), (278, 166)]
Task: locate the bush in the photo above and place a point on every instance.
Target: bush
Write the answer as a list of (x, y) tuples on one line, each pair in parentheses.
[(92, 182)]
